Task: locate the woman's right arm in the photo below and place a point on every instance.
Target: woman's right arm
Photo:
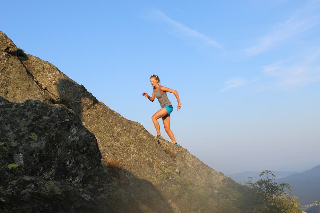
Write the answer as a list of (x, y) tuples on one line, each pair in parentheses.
[(150, 98)]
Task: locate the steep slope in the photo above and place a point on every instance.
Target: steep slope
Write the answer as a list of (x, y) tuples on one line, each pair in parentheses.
[(147, 175), (306, 185)]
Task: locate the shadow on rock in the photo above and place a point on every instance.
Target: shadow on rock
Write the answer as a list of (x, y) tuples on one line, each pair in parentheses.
[(20, 54), (75, 96), (128, 193)]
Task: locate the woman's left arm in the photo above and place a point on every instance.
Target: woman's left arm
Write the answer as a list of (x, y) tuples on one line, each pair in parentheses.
[(165, 89)]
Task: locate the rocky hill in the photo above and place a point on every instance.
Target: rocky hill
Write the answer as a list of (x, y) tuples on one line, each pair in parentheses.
[(64, 151)]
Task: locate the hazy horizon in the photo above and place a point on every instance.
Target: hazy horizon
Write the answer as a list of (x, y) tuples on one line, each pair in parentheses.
[(296, 170), (247, 72)]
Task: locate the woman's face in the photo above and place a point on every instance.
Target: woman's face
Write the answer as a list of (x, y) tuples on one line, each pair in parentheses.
[(153, 81)]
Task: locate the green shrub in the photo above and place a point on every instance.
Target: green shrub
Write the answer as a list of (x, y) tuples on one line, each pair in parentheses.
[(273, 197)]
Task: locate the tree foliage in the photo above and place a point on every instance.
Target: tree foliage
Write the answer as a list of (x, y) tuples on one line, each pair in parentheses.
[(273, 197)]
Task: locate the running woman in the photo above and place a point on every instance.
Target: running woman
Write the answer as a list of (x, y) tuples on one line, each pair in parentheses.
[(160, 92)]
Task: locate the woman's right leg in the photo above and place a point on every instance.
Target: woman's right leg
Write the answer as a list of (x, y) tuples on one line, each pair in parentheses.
[(166, 123), (162, 112)]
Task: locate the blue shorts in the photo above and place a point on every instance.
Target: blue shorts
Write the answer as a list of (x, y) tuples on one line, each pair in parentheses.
[(169, 109)]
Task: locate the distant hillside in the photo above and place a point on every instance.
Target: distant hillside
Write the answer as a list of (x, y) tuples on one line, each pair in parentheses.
[(51, 147), (306, 185), (243, 176)]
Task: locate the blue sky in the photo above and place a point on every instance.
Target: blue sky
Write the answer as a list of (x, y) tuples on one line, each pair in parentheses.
[(247, 72)]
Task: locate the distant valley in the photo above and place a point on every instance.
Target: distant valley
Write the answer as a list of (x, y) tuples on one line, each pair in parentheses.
[(306, 184)]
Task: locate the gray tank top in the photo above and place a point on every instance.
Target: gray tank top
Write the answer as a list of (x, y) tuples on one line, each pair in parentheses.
[(162, 97)]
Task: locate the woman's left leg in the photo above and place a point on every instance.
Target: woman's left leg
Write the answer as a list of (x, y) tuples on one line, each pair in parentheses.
[(166, 123)]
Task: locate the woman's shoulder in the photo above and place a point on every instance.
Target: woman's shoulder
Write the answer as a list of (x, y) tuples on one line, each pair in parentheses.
[(161, 88)]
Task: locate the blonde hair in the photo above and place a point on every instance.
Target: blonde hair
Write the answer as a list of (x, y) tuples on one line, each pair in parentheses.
[(156, 77)]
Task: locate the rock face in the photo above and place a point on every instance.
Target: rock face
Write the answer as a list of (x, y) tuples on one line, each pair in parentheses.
[(49, 161), (137, 173)]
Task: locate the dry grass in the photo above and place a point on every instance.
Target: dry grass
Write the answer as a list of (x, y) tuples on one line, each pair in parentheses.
[(113, 163), (114, 166)]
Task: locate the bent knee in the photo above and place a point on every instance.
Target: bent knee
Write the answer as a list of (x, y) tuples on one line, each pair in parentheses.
[(167, 128)]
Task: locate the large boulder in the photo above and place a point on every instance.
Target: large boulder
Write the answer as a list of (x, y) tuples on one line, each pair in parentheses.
[(48, 160)]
